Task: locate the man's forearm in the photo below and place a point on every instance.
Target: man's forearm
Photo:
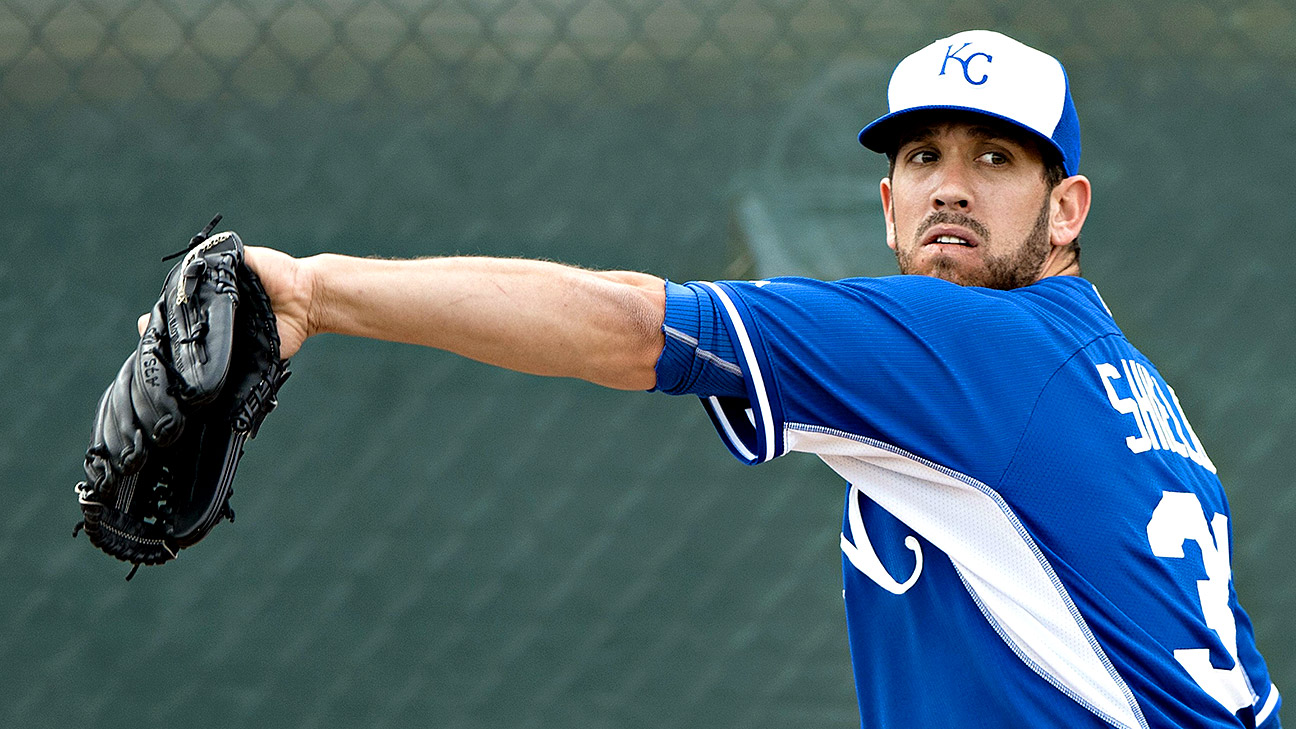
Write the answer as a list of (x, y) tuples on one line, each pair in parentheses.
[(531, 316)]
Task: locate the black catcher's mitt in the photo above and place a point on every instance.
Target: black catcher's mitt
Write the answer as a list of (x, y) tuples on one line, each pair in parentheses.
[(170, 429)]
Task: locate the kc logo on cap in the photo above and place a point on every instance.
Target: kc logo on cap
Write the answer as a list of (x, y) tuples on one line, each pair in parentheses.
[(988, 73), (965, 62)]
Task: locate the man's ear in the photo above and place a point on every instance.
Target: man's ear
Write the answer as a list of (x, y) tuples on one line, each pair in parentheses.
[(1068, 208), (888, 212)]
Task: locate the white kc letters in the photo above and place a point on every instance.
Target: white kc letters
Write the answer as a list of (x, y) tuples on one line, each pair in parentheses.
[(861, 554)]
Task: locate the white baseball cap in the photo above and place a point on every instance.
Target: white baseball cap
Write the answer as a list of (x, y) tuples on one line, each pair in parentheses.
[(988, 73)]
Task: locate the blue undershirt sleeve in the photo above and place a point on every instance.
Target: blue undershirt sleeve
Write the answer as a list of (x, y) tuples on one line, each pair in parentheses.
[(699, 358)]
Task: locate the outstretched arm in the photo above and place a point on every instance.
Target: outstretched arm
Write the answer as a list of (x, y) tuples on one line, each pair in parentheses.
[(531, 316)]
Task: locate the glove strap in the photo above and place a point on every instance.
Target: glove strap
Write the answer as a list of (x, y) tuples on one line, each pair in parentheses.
[(194, 241)]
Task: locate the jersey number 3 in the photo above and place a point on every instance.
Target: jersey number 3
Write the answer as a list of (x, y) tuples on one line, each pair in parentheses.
[(1179, 518)]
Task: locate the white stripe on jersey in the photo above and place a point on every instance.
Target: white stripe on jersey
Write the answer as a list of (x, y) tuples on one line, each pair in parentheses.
[(1269, 705), (702, 354), (753, 369), (723, 419), (1007, 576), (674, 333)]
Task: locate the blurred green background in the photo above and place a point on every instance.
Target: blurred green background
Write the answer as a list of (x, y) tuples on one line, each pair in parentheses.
[(426, 541)]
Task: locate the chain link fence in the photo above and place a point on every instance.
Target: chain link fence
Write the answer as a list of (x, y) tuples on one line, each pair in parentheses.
[(484, 54), (425, 541)]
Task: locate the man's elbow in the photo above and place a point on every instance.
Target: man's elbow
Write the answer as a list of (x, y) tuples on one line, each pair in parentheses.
[(631, 364), (638, 372)]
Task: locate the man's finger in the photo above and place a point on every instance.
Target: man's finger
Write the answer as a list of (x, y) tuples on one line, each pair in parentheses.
[(142, 323)]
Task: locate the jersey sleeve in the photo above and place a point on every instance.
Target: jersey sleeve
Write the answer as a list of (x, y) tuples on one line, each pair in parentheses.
[(1267, 699), (912, 362), (706, 341), (697, 359)]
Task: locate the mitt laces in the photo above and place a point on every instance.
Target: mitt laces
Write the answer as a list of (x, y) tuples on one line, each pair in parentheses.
[(200, 331), (195, 241)]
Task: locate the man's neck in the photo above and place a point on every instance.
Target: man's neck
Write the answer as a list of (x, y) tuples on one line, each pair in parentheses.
[(1062, 261)]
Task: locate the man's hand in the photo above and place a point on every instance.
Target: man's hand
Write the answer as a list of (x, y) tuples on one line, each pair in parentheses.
[(290, 288)]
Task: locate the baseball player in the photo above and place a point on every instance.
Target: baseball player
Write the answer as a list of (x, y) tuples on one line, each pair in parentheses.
[(1033, 534)]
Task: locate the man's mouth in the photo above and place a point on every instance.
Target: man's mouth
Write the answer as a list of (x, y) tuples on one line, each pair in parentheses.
[(948, 228), (952, 240)]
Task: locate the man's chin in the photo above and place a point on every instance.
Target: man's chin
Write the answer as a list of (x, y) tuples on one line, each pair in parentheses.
[(973, 273), (945, 269)]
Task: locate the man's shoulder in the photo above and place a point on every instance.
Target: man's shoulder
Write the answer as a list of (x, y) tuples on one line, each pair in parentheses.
[(1065, 297), (1071, 303), (1054, 287), (1058, 315)]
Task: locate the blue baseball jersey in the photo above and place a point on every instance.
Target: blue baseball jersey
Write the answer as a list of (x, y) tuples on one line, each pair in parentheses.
[(1033, 535)]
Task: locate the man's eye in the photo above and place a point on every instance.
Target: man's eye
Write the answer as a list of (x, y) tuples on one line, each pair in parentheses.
[(924, 157), (994, 158)]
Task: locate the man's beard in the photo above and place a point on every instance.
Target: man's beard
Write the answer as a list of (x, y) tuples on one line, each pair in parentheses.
[(1013, 270)]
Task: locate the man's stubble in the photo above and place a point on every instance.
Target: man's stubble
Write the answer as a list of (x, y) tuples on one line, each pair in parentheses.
[(1012, 270)]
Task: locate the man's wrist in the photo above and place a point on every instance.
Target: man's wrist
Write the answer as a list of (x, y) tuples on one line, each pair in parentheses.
[(311, 286)]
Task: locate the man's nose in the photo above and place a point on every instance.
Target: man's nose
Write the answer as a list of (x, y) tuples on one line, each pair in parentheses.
[(952, 190)]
